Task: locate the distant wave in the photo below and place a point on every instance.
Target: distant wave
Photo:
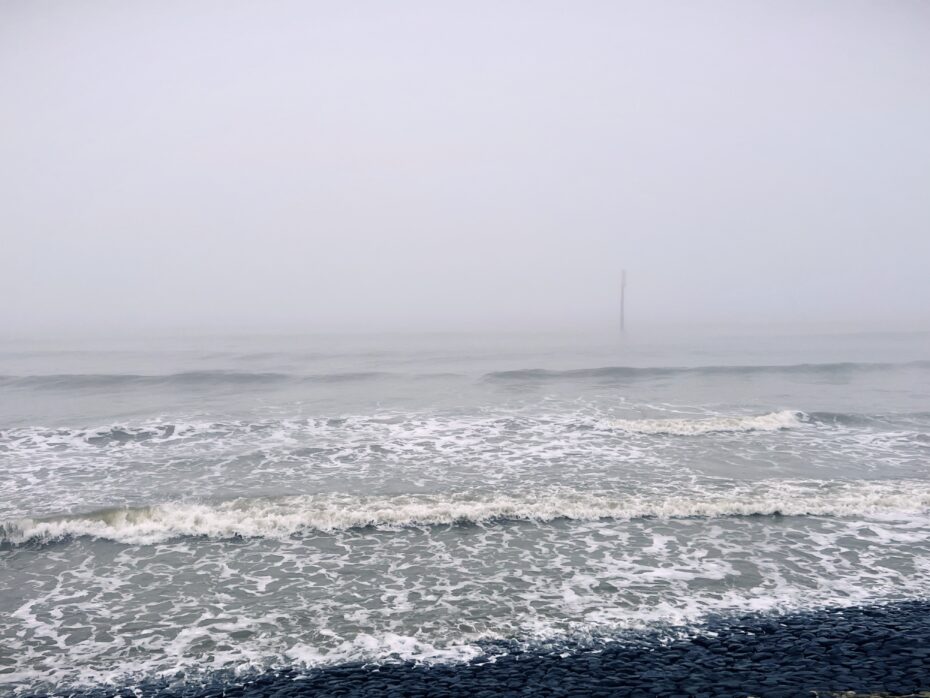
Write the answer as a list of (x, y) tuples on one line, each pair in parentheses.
[(631, 372), (773, 421), (280, 517), (187, 378), (243, 378)]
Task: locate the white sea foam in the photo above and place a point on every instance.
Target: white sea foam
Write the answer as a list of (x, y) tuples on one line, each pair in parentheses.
[(131, 464), (773, 421), (278, 517), (429, 594)]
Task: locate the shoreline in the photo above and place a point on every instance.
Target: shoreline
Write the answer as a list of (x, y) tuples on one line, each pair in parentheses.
[(879, 650)]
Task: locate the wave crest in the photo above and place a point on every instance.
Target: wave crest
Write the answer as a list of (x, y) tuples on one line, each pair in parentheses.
[(280, 517), (773, 421), (613, 373), (191, 379)]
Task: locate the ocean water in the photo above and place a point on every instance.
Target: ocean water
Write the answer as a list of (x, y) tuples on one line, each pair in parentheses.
[(178, 507)]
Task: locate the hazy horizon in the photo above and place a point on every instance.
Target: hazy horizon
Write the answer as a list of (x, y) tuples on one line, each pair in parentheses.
[(299, 168)]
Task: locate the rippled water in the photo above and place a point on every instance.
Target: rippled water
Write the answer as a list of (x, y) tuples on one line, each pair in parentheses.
[(244, 503)]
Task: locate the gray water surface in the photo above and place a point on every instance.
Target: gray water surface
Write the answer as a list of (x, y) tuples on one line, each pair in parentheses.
[(237, 503)]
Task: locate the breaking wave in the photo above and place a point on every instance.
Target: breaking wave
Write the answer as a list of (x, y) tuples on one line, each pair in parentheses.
[(773, 421), (280, 517), (167, 430)]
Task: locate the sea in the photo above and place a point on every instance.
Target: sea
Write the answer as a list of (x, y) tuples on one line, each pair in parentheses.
[(186, 510)]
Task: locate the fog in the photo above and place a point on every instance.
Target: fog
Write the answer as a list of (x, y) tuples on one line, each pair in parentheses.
[(307, 166)]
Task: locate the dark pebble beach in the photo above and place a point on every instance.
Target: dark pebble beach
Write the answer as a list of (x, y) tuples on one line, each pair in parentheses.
[(882, 649)]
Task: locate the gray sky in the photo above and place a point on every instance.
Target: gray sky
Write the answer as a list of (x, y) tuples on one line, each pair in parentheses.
[(473, 165)]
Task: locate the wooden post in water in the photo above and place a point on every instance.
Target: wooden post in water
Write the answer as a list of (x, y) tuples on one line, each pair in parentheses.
[(622, 299)]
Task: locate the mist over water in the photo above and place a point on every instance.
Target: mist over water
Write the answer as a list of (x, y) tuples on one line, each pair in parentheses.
[(491, 166)]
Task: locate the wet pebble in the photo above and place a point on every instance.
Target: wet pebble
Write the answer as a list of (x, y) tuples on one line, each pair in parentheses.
[(868, 649)]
